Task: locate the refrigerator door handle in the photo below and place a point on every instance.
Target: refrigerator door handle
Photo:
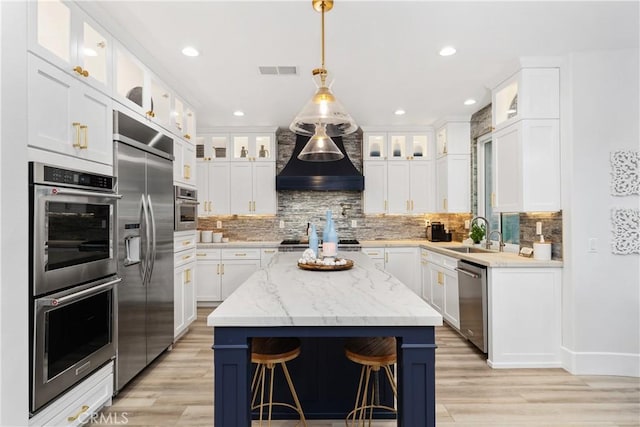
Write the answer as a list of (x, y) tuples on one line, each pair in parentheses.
[(144, 220), (152, 255)]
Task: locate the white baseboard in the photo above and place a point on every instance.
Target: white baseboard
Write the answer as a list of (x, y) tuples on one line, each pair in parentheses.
[(601, 363), (523, 365)]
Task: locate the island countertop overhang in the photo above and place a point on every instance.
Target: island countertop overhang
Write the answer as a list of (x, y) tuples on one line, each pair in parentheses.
[(284, 295)]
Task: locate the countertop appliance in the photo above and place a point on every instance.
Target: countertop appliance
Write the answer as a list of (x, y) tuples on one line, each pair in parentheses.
[(185, 215), (472, 288), (437, 233), (72, 266), (144, 168)]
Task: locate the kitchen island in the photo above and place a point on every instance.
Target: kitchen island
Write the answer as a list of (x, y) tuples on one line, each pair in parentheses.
[(282, 300)]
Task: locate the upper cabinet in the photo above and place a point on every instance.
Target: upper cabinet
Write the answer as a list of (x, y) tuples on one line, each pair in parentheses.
[(453, 167), (64, 35), (398, 145), (526, 142), (247, 145), (531, 93), (399, 172)]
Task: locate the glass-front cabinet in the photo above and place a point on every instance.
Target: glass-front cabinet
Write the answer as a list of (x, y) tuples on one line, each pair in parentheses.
[(160, 103), (130, 86), (398, 145), (253, 147), (64, 35)]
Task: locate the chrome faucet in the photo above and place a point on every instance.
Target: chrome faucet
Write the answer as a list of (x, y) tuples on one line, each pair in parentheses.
[(500, 241), (487, 232)]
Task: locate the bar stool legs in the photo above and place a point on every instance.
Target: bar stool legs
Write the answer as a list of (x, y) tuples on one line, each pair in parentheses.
[(268, 353), (373, 354)]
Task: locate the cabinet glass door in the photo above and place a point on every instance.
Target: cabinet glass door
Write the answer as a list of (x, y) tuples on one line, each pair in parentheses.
[(397, 147), (240, 148), (375, 146), (506, 103), (160, 102), (178, 115), (130, 84), (92, 53), (418, 147), (53, 28), (263, 148)]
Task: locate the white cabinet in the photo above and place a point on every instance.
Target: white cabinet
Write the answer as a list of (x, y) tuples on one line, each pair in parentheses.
[(254, 187), (184, 162), (453, 168), (213, 188), (401, 262), (530, 93), (65, 36), (184, 281), (67, 116), (439, 273), (399, 173), (453, 184), (527, 167), (221, 271), (524, 317), (453, 138), (77, 406)]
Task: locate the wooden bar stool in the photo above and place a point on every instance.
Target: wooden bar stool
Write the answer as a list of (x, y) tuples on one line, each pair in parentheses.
[(373, 354), (267, 353)]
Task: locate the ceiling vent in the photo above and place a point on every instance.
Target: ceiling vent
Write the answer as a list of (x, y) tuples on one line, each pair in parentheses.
[(278, 70)]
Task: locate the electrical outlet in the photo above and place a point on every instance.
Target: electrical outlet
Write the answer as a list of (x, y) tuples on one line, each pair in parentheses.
[(426, 222), (538, 227), (593, 245), (218, 224), (354, 223), (281, 224), (467, 224)]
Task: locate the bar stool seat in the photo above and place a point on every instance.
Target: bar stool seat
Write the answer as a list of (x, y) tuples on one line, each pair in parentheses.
[(268, 353), (373, 354)]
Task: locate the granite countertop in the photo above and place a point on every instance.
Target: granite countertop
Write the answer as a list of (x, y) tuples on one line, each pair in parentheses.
[(284, 295)]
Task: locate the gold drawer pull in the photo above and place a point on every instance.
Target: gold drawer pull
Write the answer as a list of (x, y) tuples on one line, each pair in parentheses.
[(186, 256), (269, 251), (201, 254), (186, 242), (240, 254), (82, 410)]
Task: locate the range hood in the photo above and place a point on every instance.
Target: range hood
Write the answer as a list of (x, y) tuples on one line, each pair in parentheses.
[(339, 175)]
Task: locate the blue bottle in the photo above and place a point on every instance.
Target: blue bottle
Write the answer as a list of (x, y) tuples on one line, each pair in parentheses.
[(327, 226), (313, 240), (330, 246)]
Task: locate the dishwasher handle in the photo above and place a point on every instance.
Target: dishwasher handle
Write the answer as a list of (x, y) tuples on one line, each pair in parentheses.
[(467, 272)]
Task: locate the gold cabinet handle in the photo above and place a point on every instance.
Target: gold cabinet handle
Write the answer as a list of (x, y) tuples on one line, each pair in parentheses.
[(187, 136), (386, 257), (187, 171), (249, 205), (82, 410), (218, 269), (445, 204), (187, 276), (440, 278), (184, 257), (240, 254), (412, 205), (78, 69), (254, 205), (386, 204), (493, 199), (150, 113), (77, 143), (408, 205), (222, 269), (269, 251), (85, 133), (186, 242), (373, 253), (201, 254)]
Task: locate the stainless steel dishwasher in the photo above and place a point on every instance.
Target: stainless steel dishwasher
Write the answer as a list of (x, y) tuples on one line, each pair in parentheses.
[(472, 288)]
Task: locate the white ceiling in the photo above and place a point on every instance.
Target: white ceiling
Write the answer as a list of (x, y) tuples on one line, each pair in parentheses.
[(383, 54)]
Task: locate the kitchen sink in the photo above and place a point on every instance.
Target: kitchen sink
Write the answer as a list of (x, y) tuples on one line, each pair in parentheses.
[(470, 250)]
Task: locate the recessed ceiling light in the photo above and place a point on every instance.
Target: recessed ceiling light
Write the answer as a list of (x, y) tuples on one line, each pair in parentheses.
[(469, 101), (447, 51), (399, 112), (238, 113), (190, 51)]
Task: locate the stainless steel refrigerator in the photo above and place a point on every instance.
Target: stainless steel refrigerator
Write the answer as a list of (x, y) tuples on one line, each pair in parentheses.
[(144, 170)]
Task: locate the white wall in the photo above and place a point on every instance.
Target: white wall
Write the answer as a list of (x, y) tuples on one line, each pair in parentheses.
[(14, 350), (601, 299)]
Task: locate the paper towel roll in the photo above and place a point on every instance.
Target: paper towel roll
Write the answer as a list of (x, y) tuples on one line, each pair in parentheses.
[(542, 251)]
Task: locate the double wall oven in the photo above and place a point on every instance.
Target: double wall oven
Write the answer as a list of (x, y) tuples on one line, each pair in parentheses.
[(72, 276)]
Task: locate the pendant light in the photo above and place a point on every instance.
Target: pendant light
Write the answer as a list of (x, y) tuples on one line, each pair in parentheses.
[(323, 116)]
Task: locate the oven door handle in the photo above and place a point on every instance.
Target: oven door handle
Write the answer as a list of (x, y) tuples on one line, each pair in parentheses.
[(69, 192), (187, 202), (57, 302)]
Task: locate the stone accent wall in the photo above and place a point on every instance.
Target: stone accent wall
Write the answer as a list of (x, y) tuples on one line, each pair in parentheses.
[(296, 208), (480, 125)]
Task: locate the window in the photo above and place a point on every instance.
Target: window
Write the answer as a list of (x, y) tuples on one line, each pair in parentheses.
[(507, 223)]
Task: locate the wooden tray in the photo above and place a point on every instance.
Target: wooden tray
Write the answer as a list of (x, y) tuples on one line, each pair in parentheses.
[(321, 267)]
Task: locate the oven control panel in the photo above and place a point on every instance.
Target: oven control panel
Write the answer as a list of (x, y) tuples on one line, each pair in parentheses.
[(53, 175)]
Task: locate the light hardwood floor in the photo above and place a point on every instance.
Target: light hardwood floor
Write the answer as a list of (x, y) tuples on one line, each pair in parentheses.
[(177, 390)]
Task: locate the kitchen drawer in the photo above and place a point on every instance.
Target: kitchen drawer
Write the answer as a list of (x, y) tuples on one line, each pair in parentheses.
[(376, 253), (439, 259), (208, 254), (75, 407), (184, 257), (184, 240), (241, 253)]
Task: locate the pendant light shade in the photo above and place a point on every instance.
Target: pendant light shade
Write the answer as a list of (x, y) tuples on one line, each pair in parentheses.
[(323, 116), (325, 108), (320, 147)]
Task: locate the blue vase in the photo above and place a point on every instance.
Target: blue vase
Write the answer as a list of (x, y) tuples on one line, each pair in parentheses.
[(313, 240)]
